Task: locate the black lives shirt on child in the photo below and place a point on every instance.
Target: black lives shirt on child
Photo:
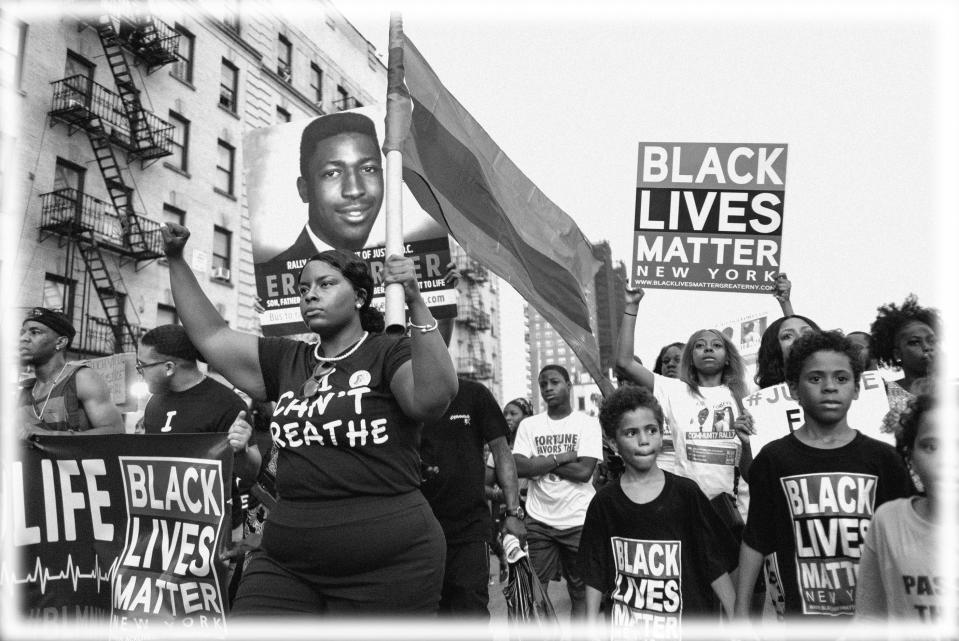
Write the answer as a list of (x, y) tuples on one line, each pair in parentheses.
[(655, 562), (810, 509), (454, 446)]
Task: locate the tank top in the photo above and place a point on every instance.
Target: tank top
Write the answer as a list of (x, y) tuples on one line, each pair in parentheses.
[(63, 411)]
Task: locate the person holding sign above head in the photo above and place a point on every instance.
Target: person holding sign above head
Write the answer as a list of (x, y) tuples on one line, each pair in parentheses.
[(814, 492), (63, 397), (709, 430), (351, 533)]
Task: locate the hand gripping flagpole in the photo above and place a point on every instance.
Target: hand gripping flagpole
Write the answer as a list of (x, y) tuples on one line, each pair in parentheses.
[(398, 119)]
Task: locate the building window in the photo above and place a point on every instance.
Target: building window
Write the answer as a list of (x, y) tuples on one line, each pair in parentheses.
[(344, 98), (166, 315), (228, 79), (284, 58), (58, 294), (179, 142), (81, 70), (224, 167), (183, 67), (282, 115), (316, 83), (173, 215), (230, 16), (221, 248), (67, 175)]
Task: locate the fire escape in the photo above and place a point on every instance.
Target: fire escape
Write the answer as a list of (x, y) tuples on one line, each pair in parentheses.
[(108, 235), (472, 315)]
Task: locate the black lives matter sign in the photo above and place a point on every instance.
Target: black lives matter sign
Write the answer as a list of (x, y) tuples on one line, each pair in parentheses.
[(709, 216), (166, 570)]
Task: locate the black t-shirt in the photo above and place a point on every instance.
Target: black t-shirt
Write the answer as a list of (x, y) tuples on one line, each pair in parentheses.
[(810, 508), (208, 406), (655, 562), (454, 444), (351, 438)]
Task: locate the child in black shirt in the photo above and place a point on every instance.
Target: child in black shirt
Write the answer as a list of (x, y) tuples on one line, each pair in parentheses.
[(813, 492), (652, 550)]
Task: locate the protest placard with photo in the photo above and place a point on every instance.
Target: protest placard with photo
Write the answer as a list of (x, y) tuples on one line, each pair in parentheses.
[(117, 370), (283, 239), (709, 216)]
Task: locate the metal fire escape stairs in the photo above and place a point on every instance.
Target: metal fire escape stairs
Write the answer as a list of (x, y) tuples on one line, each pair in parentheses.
[(143, 143)]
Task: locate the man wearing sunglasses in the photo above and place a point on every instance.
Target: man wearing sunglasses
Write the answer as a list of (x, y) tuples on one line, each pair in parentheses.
[(63, 397)]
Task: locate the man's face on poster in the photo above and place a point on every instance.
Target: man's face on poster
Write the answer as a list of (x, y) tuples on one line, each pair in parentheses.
[(344, 189)]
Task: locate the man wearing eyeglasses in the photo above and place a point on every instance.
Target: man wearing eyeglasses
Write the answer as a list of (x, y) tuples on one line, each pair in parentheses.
[(185, 400), (64, 397)]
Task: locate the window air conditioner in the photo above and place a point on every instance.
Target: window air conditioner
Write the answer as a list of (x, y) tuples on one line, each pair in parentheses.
[(220, 273)]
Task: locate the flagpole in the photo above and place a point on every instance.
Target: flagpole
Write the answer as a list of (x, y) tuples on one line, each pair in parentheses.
[(397, 126)]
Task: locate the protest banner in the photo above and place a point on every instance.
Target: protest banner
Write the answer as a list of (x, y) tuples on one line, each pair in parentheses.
[(745, 332), (775, 413), (282, 241), (709, 216), (125, 530), (116, 370)]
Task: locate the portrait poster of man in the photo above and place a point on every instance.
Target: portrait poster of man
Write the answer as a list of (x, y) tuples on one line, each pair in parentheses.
[(317, 184)]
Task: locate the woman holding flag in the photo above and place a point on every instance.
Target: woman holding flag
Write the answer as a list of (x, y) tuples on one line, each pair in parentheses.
[(351, 533)]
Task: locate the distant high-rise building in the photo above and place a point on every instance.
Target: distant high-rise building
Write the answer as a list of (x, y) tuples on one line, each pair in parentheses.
[(606, 302), (609, 285)]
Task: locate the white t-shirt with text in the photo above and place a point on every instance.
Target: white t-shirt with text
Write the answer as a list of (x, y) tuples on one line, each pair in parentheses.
[(552, 500), (707, 448)]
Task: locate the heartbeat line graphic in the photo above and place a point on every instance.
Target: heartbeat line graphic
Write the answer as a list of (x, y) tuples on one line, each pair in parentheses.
[(71, 572)]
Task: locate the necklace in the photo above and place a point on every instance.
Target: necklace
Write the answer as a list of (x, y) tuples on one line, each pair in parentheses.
[(43, 407), (334, 359)]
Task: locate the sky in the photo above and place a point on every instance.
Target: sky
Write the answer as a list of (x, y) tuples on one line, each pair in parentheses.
[(855, 90)]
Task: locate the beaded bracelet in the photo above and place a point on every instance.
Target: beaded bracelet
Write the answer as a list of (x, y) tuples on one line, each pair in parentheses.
[(424, 329)]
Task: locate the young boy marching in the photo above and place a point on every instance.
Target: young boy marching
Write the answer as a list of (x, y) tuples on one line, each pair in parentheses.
[(814, 492), (653, 550)]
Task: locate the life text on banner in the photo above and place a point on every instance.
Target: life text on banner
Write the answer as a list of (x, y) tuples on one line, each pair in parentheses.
[(130, 535), (775, 413), (709, 216)]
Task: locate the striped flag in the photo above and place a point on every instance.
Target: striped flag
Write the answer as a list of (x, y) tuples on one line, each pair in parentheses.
[(465, 181)]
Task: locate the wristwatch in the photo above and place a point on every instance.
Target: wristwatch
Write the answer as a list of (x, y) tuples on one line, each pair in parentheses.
[(518, 512)]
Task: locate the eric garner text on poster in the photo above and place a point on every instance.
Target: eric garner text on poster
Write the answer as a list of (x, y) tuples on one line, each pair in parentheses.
[(709, 216)]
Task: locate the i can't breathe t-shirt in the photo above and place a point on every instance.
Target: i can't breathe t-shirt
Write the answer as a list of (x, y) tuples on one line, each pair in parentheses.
[(351, 438)]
